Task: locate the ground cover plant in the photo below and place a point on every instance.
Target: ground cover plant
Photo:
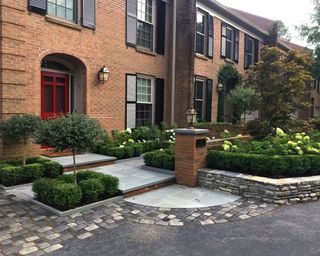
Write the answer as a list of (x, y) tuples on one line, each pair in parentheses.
[(281, 155), (163, 159), (64, 194), (14, 172), (133, 143)]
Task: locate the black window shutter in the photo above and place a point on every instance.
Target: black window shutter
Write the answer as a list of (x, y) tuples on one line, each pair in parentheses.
[(256, 51), (159, 117), (131, 101), (210, 36), (208, 100), (236, 45), (161, 26), (131, 35), (38, 6), (89, 13), (223, 40)]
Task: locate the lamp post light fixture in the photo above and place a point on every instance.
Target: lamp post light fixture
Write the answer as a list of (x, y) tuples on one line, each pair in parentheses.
[(220, 87), (191, 116), (104, 74)]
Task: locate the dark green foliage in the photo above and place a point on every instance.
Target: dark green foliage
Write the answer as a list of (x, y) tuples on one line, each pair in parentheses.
[(66, 195), (21, 128), (91, 190), (110, 183), (15, 173), (138, 149), (163, 159), (91, 187), (258, 129), (51, 169), (273, 166)]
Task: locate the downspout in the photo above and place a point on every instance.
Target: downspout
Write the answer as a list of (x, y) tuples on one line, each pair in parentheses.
[(173, 71)]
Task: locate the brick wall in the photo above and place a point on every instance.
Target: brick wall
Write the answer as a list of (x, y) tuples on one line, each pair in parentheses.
[(27, 38)]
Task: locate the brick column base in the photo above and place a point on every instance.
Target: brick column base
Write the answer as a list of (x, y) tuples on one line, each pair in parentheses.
[(190, 154)]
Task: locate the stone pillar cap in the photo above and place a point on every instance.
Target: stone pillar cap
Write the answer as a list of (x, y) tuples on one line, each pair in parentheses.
[(191, 131)]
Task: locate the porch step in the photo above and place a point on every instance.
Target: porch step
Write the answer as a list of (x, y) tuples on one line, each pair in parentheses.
[(134, 179), (144, 189), (83, 161)]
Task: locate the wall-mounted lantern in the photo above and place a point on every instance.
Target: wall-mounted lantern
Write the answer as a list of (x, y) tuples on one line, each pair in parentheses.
[(191, 116), (220, 87), (104, 74)]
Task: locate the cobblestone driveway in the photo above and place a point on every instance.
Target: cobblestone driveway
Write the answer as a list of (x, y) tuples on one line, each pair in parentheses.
[(26, 229)]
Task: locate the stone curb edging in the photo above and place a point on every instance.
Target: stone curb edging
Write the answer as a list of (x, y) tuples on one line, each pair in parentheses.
[(2, 187), (279, 191), (78, 209)]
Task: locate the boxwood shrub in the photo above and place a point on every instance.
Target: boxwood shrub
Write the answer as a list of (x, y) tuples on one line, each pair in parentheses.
[(63, 194), (275, 166), (14, 173), (163, 159), (130, 150)]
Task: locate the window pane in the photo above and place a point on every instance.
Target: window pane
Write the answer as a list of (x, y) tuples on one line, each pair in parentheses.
[(200, 23), (229, 34), (200, 43), (145, 10), (228, 50), (144, 35), (61, 12), (199, 90), (60, 80), (51, 9), (60, 99), (61, 2), (199, 109), (48, 79), (52, 1), (48, 98), (69, 14), (144, 115), (69, 4)]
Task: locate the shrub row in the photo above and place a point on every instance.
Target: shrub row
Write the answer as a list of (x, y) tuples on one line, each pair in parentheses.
[(265, 165), (14, 173), (163, 159), (63, 194), (133, 149)]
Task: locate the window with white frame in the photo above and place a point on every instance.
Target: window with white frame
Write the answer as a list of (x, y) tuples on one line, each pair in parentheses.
[(64, 9), (144, 101), (145, 24)]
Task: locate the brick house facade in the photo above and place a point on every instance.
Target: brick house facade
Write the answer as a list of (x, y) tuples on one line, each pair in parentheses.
[(53, 50)]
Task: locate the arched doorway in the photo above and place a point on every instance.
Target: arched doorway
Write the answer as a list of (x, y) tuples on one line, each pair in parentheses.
[(62, 85)]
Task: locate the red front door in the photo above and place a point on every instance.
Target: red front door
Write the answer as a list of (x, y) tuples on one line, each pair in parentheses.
[(54, 94)]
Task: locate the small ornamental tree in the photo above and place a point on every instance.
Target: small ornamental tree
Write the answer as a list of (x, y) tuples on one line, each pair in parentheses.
[(21, 128), (281, 79), (244, 100), (75, 131)]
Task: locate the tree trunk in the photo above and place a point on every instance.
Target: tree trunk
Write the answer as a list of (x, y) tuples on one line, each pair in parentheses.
[(24, 158), (74, 166)]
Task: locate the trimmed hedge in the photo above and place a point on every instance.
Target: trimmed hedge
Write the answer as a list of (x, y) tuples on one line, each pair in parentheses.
[(265, 165), (14, 173), (133, 149), (163, 159), (63, 194)]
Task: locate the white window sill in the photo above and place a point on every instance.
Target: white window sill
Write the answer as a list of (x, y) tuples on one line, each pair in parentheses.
[(145, 51), (200, 56), (62, 22)]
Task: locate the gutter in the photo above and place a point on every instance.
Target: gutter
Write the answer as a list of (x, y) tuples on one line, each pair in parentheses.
[(173, 71)]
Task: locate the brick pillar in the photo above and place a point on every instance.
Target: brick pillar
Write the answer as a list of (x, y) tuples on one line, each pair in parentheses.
[(190, 154)]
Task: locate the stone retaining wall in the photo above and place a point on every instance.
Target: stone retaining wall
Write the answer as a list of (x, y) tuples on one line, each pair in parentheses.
[(279, 191)]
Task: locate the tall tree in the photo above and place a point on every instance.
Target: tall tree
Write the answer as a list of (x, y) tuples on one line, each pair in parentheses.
[(281, 79), (283, 30)]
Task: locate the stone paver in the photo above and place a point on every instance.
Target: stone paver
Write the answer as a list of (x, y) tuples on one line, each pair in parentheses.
[(30, 230)]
